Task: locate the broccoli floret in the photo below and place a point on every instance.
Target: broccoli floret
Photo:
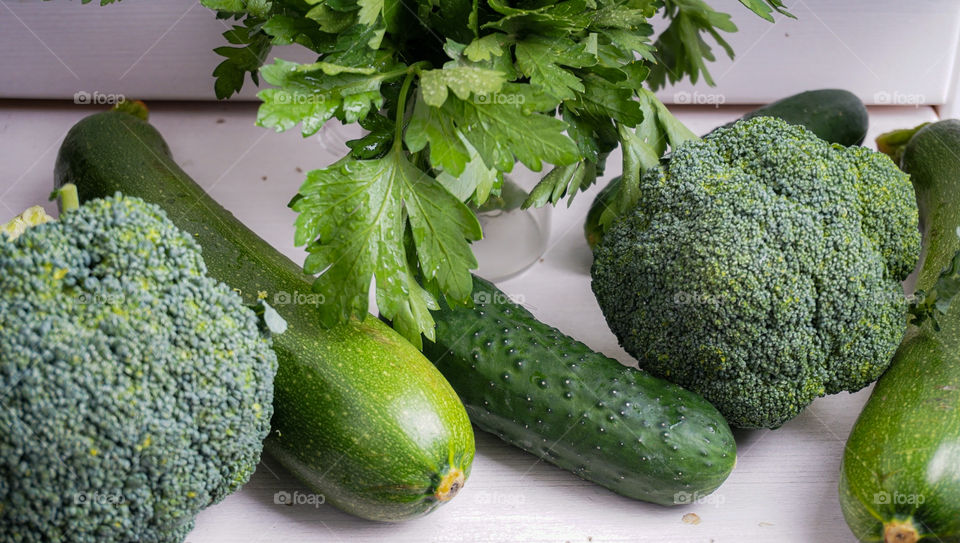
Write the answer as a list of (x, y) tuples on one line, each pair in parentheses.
[(134, 390), (762, 269)]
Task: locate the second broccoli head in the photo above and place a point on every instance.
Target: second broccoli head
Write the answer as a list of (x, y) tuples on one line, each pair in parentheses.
[(762, 269)]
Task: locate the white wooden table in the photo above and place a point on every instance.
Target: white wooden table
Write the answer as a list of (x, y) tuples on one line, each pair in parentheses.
[(783, 488)]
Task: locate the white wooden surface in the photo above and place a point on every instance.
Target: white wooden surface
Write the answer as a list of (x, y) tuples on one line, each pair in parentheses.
[(886, 51), (782, 490)]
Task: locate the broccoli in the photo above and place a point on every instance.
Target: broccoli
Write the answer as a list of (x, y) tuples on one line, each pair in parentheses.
[(134, 389), (762, 269), (31, 217)]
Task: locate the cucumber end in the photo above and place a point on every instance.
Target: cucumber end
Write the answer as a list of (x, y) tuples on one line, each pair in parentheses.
[(900, 531), (451, 483)]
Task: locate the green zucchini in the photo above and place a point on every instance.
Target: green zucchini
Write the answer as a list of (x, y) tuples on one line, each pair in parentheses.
[(900, 479), (360, 415), (834, 115), (552, 396)]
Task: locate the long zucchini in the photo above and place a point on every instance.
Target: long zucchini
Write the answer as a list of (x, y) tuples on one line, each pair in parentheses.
[(900, 480), (359, 414)]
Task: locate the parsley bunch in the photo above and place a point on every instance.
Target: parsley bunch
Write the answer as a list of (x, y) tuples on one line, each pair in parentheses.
[(452, 93)]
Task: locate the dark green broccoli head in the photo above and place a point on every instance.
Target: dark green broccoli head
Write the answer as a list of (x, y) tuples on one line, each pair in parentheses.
[(134, 390), (762, 268)]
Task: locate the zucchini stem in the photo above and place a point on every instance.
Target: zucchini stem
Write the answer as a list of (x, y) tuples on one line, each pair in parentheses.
[(900, 531), (451, 483)]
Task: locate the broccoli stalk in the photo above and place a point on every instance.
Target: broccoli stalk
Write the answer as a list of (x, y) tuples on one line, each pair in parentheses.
[(68, 198)]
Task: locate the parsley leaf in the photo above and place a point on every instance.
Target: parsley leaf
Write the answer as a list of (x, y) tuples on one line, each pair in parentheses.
[(540, 59), (239, 61), (452, 94), (430, 125), (503, 134), (312, 94), (766, 8), (562, 181), (462, 80), (378, 139), (353, 215)]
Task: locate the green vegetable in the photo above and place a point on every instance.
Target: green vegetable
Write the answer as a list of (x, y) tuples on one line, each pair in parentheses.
[(552, 396), (592, 229), (836, 116), (344, 396), (762, 269), (31, 216), (452, 95), (136, 389), (893, 143), (900, 481)]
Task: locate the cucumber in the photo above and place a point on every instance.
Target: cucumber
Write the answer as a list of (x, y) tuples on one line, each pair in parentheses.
[(834, 115), (900, 478), (360, 415), (550, 395)]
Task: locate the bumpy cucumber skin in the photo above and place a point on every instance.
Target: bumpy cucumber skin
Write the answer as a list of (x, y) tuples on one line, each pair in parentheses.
[(359, 414), (552, 396), (905, 447)]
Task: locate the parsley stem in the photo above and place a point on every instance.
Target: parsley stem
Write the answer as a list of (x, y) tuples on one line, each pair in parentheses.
[(412, 71)]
